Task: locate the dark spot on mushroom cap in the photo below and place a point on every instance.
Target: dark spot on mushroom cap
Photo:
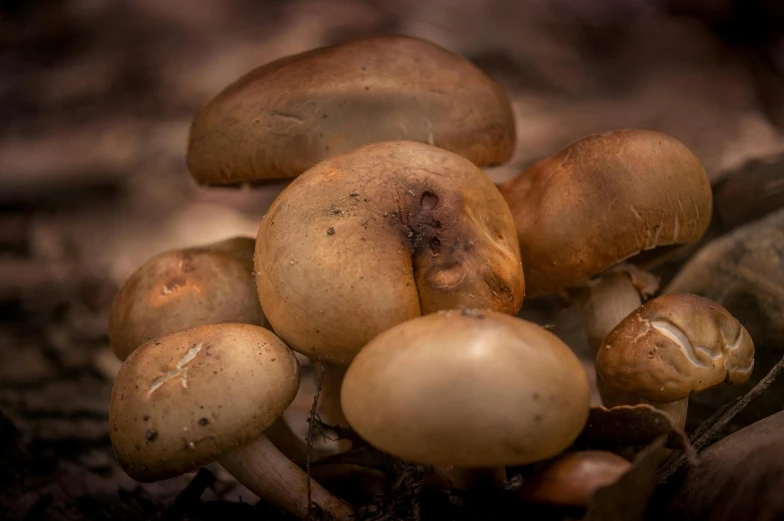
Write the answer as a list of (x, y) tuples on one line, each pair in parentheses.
[(204, 421), (151, 435), (330, 231), (175, 282), (536, 396), (146, 417), (538, 418), (435, 245)]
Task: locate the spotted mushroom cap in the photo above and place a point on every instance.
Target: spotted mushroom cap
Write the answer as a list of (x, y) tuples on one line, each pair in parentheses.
[(467, 388), (673, 345), (185, 399), (623, 195), (387, 232), (284, 117), (178, 289)]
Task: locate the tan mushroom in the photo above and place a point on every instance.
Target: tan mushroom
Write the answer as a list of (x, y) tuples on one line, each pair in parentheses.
[(207, 394), (475, 389), (571, 480), (177, 289), (628, 196), (364, 241), (672, 346), (284, 117)]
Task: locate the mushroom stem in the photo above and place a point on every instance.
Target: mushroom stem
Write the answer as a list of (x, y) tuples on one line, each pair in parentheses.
[(266, 472), (329, 404), (603, 303), (293, 447), (473, 478), (613, 397)]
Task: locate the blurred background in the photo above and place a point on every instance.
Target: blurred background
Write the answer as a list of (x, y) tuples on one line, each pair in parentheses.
[(96, 99)]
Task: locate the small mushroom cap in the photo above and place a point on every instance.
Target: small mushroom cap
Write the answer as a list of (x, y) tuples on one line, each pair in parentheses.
[(284, 117), (604, 199), (187, 398), (367, 240), (470, 388), (178, 289), (572, 479), (673, 345)]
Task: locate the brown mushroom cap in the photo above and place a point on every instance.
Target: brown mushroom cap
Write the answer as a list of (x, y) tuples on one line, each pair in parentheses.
[(572, 479), (673, 345), (189, 397), (472, 389), (364, 241), (604, 199), (284, 117), (178, 289)]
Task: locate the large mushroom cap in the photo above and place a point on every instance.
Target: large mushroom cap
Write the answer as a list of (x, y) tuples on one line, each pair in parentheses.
[(369, 239), (189, 397), (673, 345), (210, 284), (282, 118), (604, 199), (472, 389)]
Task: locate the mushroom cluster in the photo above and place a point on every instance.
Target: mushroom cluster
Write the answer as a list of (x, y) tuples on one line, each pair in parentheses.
[(393, 259)]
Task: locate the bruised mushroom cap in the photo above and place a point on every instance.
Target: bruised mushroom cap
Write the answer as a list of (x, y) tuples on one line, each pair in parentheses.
[(284, 117), (673, 345), (364, 241), (604, 199), (572, 479), (187, 398), (467, 388), (210, 284)]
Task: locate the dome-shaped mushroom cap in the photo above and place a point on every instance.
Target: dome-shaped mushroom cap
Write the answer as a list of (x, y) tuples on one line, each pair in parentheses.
[(178, 289), (572, 479), (189, 397), (364, 241), (604, 199), (673, 345), (470, 388), (284, 117)]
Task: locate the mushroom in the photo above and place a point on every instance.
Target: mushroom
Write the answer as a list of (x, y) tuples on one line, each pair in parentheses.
[(284, 117), (672, 346), (367, 240), (607, 205), (178, 289), (571, 479), (475, 389), (207, 394)]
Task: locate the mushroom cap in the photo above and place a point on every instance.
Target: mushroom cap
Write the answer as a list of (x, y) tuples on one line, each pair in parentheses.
[(673, 345), (177, 289), (284, 117), (572, 479), (467, 388), (364, 241), (186, 398), (604, 199)]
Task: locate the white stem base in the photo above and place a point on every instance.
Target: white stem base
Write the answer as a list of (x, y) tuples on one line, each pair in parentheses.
[(266, 472)]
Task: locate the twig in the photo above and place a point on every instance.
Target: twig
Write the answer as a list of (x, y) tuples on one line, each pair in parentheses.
[(190, 494), (311, 424), (712, 427)]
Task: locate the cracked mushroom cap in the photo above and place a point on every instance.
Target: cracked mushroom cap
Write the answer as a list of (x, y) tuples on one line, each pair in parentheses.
[(624, 195), (177, 289), (390, 231), (284, 117), (673, 345), (185, 399), (467, 388)]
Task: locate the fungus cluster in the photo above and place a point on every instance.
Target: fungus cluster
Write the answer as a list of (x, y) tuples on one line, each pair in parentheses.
[(392, 257)]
